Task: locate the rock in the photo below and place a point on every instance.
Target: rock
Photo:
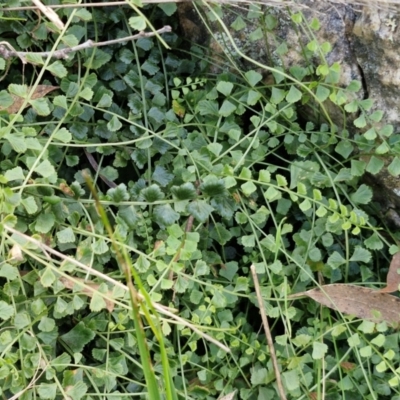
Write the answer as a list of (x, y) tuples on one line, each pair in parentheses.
[(365, 41)]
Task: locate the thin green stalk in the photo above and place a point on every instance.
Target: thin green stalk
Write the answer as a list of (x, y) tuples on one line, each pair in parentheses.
[(137, 305)]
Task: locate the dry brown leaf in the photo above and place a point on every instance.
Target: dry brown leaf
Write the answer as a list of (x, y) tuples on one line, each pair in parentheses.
[(229, 396), (393, 277), (66, 189), (40, 91), (348, 366), (88, 288), (362, 302)]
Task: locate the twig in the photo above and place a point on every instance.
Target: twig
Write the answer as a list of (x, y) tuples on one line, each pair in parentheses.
[(189, 226), (49, 13), (263, 313), (159, 307), (390, 5), (63, 53), (3, 46), (95, 166), (82, 5), (121, 3)]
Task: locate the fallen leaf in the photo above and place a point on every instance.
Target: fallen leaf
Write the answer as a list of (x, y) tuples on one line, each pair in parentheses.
[(362, 302), (393, 277), (229, 396), (40, 91), (88, 288), (66, 189), (347, 366), (16, 253)]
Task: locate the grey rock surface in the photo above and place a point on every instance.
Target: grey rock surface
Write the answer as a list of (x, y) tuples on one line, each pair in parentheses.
[(365, 41)]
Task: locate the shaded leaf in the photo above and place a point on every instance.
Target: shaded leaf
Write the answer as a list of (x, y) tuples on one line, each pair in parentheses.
[(225, 87), (375, 165), (215, 148), (394, 167), (162, 176), (322, 93), (363, 195), (6, 100), (138, 23), (6, 311), (45, 169), (44, 222), (47, 277), (118, 193), (63, 135), (374, 242), (206, 107), (17, 141), (253, 77), (97, 302), (57, 69), (168, 8), (30, 205), (77, 391), (319, 350), (14, 174), (47, 391), (165, 215), (259, 376), (248, 188), (8, 271), (129, 216), (100, 246), (66, 235), (152, 193), (361, 255), (293, 95), (78, 337), (213, 187), (227, 108), (114, 124), (200, 210)]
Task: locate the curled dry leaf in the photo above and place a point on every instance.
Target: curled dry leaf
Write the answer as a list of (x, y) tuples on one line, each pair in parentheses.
[(66, 189), (40, 91), (362, 302), (365, 303), (348, 366), (87, 288), (16, 253), (393, 277), (229, 396)]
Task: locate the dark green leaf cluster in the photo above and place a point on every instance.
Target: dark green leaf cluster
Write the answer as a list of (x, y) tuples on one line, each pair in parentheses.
[(200, 175)]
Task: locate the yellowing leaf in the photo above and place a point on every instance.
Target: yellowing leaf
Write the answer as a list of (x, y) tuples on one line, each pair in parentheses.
[(89, 288), (178, 108), (40, 92)]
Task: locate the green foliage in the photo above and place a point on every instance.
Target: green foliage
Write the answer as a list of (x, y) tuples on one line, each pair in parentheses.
[(200, 176)]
